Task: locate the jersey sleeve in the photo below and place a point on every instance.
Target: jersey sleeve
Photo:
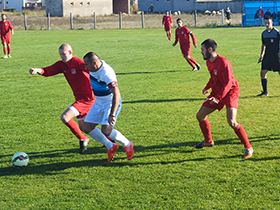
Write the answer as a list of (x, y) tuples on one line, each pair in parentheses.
[(176, 37), (52, 70), (10, 26)]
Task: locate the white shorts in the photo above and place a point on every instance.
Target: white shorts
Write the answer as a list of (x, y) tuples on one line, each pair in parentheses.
[(99, 112)]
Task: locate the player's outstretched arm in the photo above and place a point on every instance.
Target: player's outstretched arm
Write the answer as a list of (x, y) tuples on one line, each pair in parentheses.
[(35, 71)]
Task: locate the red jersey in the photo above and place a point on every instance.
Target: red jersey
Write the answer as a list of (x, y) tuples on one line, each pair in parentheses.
[(5, 27), (76, 75), (166, 20), (221, 81), (182, 35)]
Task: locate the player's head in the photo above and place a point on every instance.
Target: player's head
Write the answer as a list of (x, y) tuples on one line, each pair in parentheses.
[(268, 22), (208, 47), (167, 12), (92, 62), (260, 7), (4, 17), (179, 22), (65, 52)]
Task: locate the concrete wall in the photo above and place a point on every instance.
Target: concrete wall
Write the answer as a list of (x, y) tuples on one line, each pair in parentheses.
[(184, 5), (121, 6), (79, 7), (54, 7)]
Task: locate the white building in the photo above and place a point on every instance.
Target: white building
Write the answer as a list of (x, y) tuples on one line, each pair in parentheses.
[(21, 4)]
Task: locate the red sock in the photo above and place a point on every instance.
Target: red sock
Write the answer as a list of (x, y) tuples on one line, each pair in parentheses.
[(169, 35), (206, 130), (5, 50), (191, 63), (240, 132), (9, 50), (75, 129)]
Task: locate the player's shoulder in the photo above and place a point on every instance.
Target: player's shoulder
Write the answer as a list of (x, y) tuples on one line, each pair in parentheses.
[(77, 60)]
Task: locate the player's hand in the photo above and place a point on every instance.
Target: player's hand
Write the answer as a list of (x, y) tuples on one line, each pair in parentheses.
[(213, 101), (111, 120), (195, 45), (260, 59), (34, 71), (204, 91), (173, 44)]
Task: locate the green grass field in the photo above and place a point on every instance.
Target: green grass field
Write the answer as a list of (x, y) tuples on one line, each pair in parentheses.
[(161, 96)]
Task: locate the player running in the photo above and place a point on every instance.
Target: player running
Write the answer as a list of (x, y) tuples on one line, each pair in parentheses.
[(182, 34), (225, 92), (167, 23), (106, 107), (5, 28), (77, 76), (270, 52)]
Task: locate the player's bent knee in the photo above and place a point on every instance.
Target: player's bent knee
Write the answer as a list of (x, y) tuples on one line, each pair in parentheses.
[(87, 128), (232, 123)]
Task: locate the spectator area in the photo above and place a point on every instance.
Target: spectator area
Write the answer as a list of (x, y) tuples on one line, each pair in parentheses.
[(249, 8)]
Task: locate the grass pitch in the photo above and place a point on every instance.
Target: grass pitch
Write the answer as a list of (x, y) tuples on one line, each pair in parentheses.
[(161, 96)]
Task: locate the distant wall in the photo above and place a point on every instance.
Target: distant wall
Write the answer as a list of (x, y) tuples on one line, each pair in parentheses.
[(78, 7), (184, 5)]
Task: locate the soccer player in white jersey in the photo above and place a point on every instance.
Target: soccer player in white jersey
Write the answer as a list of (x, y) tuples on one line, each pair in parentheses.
[(106, 107)]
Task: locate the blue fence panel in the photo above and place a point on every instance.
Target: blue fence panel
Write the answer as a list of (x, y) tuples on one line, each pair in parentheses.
[(249, 9)]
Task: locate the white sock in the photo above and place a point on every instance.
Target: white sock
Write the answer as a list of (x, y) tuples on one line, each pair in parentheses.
[(100, 137), (117, 136)]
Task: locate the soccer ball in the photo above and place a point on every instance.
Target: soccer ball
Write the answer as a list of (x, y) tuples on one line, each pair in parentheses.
[(20, 160)]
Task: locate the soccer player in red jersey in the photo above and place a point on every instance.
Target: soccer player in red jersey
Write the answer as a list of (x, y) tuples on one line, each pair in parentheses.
[(5, 28), (225, 91), (182, 34), (77, 76), (167, 23)]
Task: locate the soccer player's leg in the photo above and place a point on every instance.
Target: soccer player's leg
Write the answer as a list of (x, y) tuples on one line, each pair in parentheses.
[(4, 48), (66, 118), (186, 50), (114, 134), (239, 131), (204, 125), (263, 75)]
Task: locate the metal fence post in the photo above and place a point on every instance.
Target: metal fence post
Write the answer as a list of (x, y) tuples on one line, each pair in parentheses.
[(120, 20), (94, 20), (25, 22), (195, 16), (49, 21), (71, 21), (142, 17), (222, 17)]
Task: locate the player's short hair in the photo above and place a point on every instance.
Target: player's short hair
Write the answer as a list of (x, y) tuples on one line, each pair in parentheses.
[(178, 19), (268, 18), (210, 43), (65, 46), (91, 56)]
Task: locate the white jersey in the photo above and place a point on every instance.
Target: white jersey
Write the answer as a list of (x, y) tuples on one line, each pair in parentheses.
[(102, 80)]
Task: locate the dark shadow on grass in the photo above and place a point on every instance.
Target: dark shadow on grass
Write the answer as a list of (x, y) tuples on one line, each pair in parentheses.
[(255, 96), (165, 100), (150, 151), (149, 72)]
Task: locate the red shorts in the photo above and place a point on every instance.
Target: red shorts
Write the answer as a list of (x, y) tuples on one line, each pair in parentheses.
[(82, 107), (167, 28), (6, 39), (186, 49), (231, 100)]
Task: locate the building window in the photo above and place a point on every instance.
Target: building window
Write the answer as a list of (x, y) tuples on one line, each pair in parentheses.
[(88, 3), (72, 4), (81, 4)]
